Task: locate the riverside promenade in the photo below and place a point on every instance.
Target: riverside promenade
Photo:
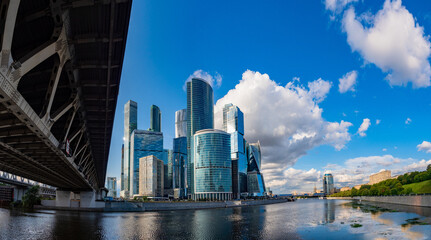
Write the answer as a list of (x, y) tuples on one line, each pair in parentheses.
[(159, 206), (411, 200)]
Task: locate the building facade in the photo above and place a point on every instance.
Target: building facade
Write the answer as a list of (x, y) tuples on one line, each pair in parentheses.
[(179, 159), (233, 123), (155, 119), (143, 143), (212, 168), (151, 176), (380, 176), (122, 169), (181, 123), (200, 115), (328, 184), (255, 182), (112, 187), (130, 124)]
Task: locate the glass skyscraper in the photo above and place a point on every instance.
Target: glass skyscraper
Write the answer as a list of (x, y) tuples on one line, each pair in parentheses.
[(255, 181), (112, 187), (156, 119), (213, 172), (130, 124), (233, 123), (143, 143), (328, 184), (179, 164), (200, 115)]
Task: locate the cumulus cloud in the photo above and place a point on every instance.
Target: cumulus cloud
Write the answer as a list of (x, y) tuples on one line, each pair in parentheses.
[(393, 41), (408, 121), (348, 82), (378, 121), (364, 127), (424, 146), (213, 80), (337, 5), (286, 119)]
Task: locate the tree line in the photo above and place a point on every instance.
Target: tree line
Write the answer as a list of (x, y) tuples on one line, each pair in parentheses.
[(390, 186)]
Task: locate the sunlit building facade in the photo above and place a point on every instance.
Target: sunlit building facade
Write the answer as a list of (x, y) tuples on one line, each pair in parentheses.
[(328, 184), (179, 160), (130, 124), (151, 176), (200, 115), (233, 123), (212, 168), (143, 143)]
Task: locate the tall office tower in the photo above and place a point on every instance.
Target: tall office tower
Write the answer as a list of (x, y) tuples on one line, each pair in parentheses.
[(233, 123), (151, 176), (156, 119), (130, 124), (213, 172), (200, 115), (328, 184), (112, 187), (143, 143), (122, 169), (179, 164), (255, 181), (167, 163)]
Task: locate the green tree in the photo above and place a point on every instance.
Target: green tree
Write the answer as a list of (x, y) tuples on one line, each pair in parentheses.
[(31, 197)]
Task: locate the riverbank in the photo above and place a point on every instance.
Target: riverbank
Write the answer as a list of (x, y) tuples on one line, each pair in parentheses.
[(411, 200), (161, 206)]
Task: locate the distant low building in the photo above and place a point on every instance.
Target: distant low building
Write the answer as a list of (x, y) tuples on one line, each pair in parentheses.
[(345, 189), (357, 187), (381, 176)]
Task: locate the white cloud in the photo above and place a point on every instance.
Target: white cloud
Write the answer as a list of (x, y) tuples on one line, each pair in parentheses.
[(364, 127), (296, 79), (393, 41), (319, 89), (286, 119), (408, 121), (424, 146), (337, 5), (378, 121), (384, 149), (214, 81), (348, 82)]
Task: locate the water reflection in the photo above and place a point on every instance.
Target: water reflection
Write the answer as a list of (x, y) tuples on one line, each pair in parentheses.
[(303, 219)]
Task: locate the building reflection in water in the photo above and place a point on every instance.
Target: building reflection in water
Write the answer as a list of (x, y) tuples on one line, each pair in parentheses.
[(329, 211)]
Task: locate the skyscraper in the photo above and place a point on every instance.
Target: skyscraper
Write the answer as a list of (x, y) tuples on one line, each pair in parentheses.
[(130, 124), (151, 176), (156, 119), (213, 173), (200, 115), (112, 187), (233, 123), (255, 181), (179, 164), (122, 169), (328, 184), (143, 143)]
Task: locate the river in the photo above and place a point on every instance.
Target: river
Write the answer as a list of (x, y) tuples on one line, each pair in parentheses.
[(303, 219)]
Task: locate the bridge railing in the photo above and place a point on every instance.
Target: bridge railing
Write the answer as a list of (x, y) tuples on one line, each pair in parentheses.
[(21, 180)]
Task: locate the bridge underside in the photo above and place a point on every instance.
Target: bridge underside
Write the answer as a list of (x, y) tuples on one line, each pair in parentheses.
[(60, 67)]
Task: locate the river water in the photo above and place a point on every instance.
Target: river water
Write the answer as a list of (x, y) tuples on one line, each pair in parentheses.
[(303, 219)]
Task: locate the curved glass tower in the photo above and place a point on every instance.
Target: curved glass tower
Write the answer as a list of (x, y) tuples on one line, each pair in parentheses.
[(328, 184), (181, 123), (213, 171), (200, 115), (156, 119), (255, 181)]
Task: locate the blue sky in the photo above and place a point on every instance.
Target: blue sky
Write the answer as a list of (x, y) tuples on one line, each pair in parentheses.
[(169, 40)]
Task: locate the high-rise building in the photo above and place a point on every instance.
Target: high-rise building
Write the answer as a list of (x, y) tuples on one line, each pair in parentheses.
[(122, 169), (328, 184), (233, 123), (212, 168), (179, 160), (200, 115), (151, 176), (156, 119), (130, 124), (112, 187), (143, 143), (255, 181), (167, 161), (181, 123)]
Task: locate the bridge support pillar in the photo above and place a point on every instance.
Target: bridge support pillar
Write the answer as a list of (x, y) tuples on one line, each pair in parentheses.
[(82, 199), (18, 193), (62, 198)]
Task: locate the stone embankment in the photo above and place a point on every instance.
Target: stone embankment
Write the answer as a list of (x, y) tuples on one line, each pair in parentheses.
[(411, 200)]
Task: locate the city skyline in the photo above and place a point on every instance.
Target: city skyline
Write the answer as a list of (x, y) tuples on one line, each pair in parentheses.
[(360, 116)]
